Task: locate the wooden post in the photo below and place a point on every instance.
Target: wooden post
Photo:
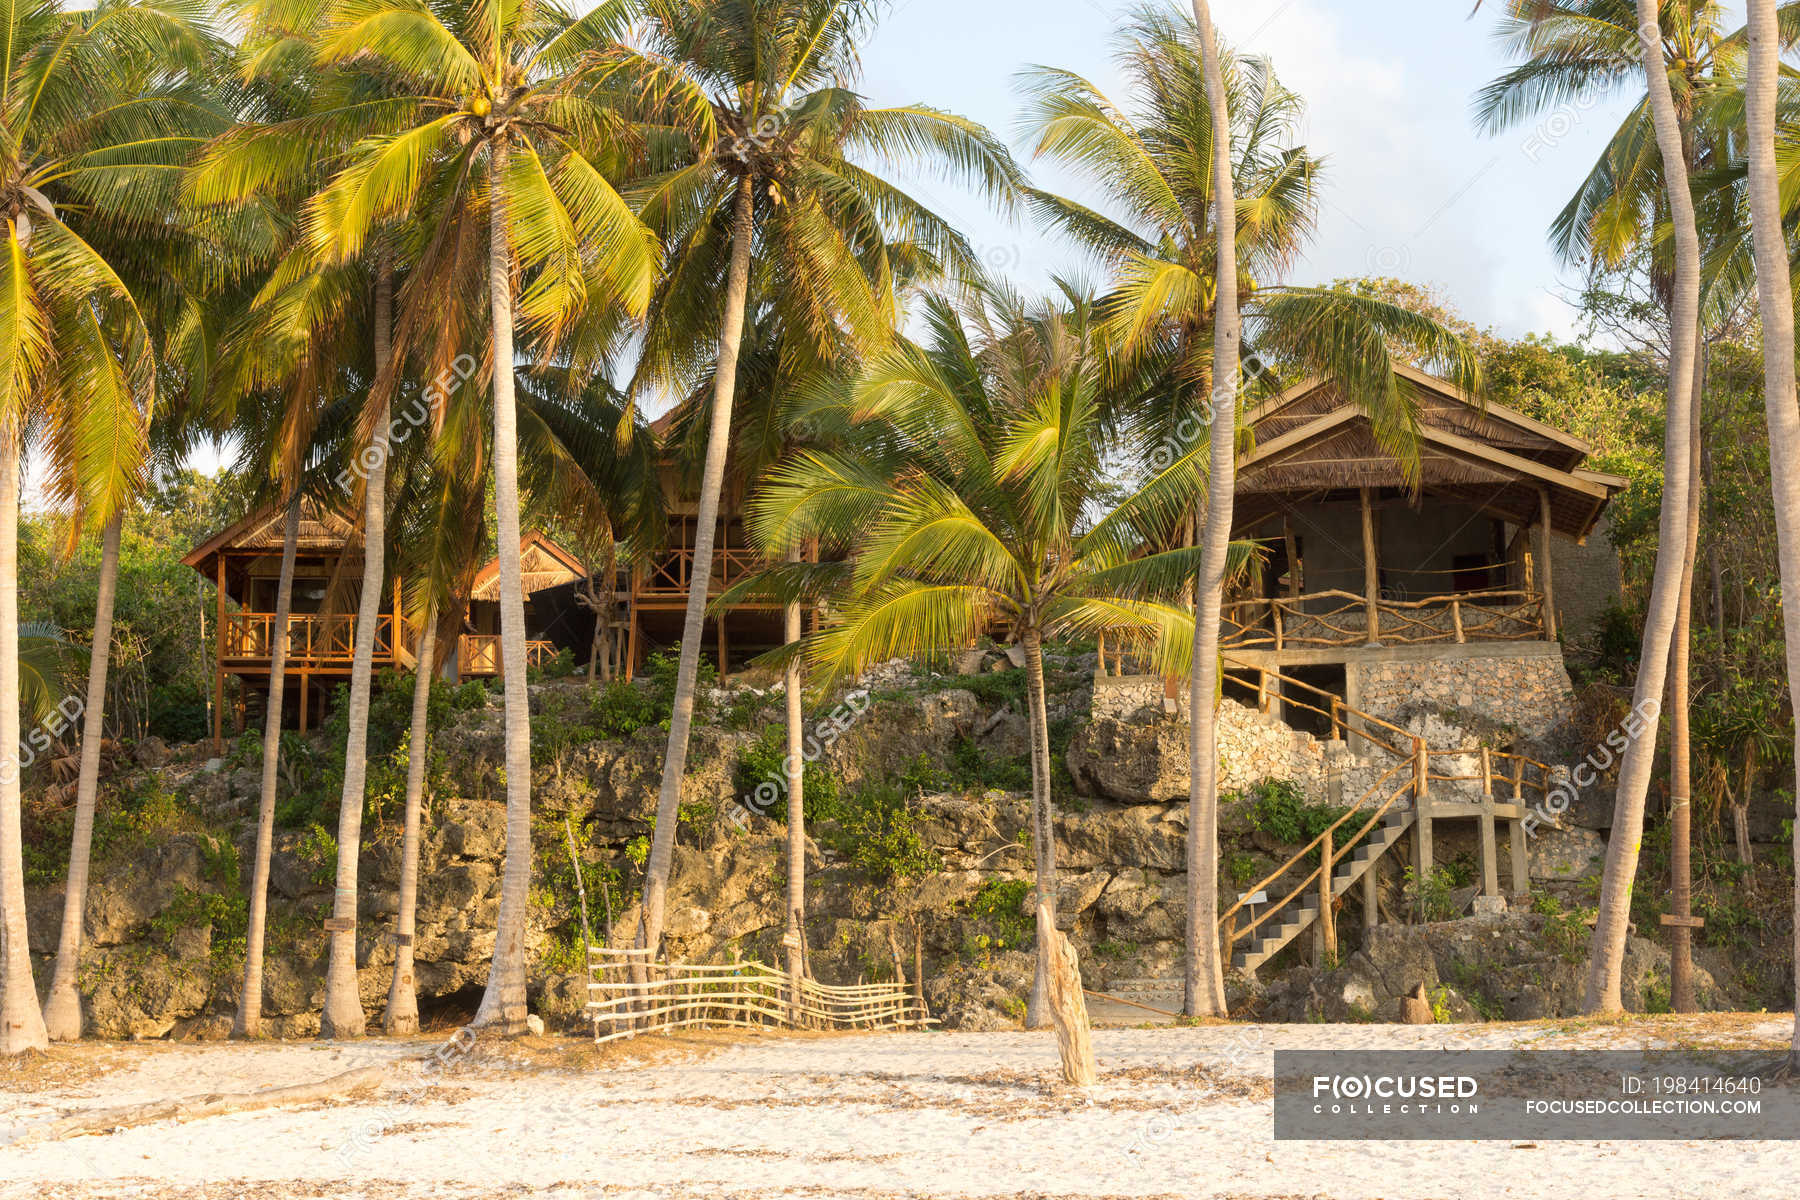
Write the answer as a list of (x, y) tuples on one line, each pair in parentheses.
[(1337, 722), (1543, 566), (1371, 889), (1100, 670), (219, 665), (1521, 854), (1371, 570), (1456, 620), (631, 638), (1292, 545), (305, 678), (1262, 690), (1327, 920), (1422, 806), (1490, 867)]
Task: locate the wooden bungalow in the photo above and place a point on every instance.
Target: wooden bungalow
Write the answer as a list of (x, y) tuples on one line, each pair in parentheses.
[(1358, 560), (244, 563)]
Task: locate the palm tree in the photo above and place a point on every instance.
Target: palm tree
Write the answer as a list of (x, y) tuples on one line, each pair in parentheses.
[(1579, 49), (98, 117), (1775, 296), (1155, 164), (494, 116), (1203, 969), (1607, 950), (774, 129), (970, 495), (307, 334)]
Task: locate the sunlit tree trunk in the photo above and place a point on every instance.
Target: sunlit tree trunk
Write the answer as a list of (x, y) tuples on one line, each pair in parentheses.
[(21, 1021), (1774, 290), (402, 1015), (712, 482), (343, 1016), (1203, 974), (1043, 829), (1606, 952), (62, 1007), (503, 1003), (249, 1013), (795, 765), (1681, 762)]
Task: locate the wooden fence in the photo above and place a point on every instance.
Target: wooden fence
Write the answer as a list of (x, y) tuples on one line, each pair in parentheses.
[(629, 995)]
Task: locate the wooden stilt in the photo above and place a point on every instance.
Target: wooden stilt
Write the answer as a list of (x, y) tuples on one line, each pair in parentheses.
[(305, 698), (1371, 570), (1490, 866), (1543, 569)]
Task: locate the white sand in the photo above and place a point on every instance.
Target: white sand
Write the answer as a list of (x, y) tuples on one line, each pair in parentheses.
[(913, 1115)]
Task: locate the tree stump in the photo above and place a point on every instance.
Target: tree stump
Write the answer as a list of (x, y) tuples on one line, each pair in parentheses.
[(1415, 1007), (1068, 1006)]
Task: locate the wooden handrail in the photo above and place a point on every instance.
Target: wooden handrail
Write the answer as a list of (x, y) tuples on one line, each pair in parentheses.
[(1332, 626)]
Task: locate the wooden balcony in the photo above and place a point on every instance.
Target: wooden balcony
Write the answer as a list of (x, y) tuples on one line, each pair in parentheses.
[(1332, 619), (478, 654), (668, 574), (248, 639)]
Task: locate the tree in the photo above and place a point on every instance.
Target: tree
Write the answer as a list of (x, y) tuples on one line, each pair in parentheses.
[(770, 171), (1607, 950), (97, 122), (1157, 167), (1203, 970), (1775, 297), (497, 113), (1614, 225), (969, 497)]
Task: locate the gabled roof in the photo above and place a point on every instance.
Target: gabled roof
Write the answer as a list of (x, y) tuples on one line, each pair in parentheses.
[(545, 564), (1310, 439), (323, 530)]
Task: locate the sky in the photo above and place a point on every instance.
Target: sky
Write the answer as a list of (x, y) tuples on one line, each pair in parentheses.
[(1411, 189)]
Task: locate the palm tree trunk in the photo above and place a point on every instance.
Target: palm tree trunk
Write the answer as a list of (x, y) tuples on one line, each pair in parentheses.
[(795, 762), (402, 1015), (1043, 829), (343, 1016), (503, 1003), (249, 1014), (1681, 769), (21, 1021), (712, 482), (1776, 299), (1606, 951), (1203, 982), (62, 1008)]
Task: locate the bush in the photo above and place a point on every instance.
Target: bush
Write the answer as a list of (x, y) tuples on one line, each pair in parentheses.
[(764, 761), (1000, 909)]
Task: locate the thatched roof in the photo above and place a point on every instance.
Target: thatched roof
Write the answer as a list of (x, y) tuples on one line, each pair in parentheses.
[(1310, 440), (545, 564)]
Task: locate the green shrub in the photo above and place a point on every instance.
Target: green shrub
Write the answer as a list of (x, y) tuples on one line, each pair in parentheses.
[(1432, 896), (764, 761), (1000, 910)]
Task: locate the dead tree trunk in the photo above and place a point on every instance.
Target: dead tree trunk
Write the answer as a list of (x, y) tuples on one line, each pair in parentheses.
[(1067, 1004)]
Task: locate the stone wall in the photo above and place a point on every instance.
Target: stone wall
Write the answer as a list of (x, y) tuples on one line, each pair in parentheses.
[(1529, 692), (1586, 579)]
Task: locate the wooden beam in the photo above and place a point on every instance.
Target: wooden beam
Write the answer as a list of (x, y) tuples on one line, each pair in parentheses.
[(1371, 570), (1514, 462), (1543, 571), (1292, 545), (219, 665), (1295, 437)]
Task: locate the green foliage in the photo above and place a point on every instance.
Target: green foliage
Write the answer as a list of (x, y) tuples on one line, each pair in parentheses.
[(1279, 808), (1240, 868), (877, 826), (318, 849), (1432, 895), (1000, 910), (764, 761), (1566, 929), (560, 667)]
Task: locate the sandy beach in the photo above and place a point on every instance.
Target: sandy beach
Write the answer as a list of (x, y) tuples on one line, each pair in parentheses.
[(1178, 1112)]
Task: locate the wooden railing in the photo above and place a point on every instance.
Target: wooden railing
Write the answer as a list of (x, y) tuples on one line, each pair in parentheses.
[(1407, 783), (1338, 618), (250, 637), (671, 571), (479, 653), (629, 994)]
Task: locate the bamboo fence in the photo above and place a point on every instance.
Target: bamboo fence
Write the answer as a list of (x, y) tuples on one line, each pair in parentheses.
[(629, 995)]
